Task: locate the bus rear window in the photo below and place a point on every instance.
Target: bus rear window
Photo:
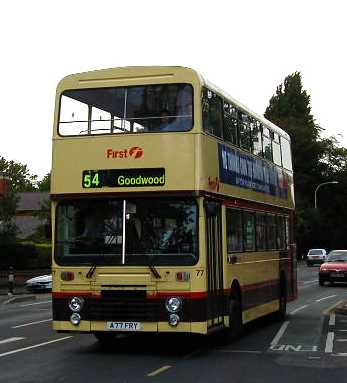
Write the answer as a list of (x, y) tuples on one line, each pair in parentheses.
[(136, 109)]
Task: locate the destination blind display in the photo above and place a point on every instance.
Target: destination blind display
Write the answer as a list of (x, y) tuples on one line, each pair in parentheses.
[(92, 179)]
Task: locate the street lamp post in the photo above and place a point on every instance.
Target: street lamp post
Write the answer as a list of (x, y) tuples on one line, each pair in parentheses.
[(315, 192)]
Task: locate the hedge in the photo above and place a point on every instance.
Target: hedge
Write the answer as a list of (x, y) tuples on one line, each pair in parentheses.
[(25, 256)]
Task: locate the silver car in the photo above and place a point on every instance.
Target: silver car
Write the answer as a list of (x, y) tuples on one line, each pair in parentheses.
[(316, 256), (41, 283)]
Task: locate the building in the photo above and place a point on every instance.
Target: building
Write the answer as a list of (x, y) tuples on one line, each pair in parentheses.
[(26, 219)]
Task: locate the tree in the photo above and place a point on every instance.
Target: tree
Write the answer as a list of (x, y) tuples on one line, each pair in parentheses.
[(21, 179), (314, 159), (8, 230), (290, 109), (45, 184)]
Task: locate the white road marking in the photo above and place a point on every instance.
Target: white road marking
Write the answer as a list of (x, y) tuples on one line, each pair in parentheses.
[(323, 299), (242, 351), (36, 303), (32, 323), (329, 342), (9, 340), (332, 320), (34, 346), (159, 370), (313, 281), (280, 333), (298, 309), (341, 340)]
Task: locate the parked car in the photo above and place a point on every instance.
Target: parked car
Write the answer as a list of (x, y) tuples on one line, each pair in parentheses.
[(316, 256), (41, 283), (335, 268)]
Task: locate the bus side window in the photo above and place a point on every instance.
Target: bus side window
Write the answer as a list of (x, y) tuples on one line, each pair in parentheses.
[(234, 230), (230, 124), (212, 113), (244, 131)]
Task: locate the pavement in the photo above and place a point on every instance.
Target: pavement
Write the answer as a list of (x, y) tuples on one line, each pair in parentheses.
[(20, 295)]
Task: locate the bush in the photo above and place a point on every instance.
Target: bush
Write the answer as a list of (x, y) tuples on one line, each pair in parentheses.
[(44, 251), (25, 256)]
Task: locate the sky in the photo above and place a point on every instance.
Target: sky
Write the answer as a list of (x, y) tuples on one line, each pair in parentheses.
[(245, 47)]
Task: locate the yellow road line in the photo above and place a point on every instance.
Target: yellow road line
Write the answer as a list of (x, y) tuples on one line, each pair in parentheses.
[(159, 370)]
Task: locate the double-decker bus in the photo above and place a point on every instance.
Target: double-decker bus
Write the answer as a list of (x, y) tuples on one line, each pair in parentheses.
[(172, 206)]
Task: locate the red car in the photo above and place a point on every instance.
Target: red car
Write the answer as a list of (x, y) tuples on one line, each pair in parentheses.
[(335, 268)]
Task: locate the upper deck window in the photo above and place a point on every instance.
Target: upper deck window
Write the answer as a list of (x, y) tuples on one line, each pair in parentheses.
[(136, 109), (212, 113)]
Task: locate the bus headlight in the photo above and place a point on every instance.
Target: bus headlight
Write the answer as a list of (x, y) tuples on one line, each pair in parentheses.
[(76, 304), (173, 304), (75, 319), (174, 320)]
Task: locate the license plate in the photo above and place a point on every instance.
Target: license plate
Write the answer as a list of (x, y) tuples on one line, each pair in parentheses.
[(337, 275), (123, 326)]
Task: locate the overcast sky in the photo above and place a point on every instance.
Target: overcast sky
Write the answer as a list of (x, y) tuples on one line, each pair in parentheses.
[(245, 47)]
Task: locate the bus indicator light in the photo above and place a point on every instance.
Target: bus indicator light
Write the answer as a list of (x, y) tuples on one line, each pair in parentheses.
[(182, 276), (67, 276)]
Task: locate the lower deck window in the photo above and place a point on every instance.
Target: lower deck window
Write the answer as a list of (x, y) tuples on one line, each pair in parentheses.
[(250, 231), (156, 231)]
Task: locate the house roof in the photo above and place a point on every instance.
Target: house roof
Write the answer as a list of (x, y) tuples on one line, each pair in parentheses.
[(31, 201)]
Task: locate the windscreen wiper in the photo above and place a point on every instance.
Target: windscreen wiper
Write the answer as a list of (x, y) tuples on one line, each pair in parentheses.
[(91, 271), (154, 271)]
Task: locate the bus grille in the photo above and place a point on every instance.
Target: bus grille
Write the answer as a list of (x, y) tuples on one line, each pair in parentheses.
[(123, 309)]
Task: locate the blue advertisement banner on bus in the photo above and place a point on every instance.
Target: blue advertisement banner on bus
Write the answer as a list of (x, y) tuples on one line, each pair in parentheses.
[(240, 169)]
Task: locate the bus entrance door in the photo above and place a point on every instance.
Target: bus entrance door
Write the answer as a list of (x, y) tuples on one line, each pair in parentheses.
[(214, 263)]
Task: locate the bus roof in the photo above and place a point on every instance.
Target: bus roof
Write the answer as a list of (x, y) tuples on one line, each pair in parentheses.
[(103, 77)]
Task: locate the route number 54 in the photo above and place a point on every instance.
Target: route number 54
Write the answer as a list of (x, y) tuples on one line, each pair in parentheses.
[(91, 180)]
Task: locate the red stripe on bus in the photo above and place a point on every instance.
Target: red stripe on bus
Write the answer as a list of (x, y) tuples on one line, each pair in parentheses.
[(66, 294), (184, 294)]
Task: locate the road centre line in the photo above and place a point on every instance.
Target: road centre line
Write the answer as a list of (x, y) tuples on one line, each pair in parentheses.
[(36, 303), (9, 340), (313, 281), (323, 299), (329, 342), (159, 370), (34, 346), (32, 323), (298, 309), (280, 333)]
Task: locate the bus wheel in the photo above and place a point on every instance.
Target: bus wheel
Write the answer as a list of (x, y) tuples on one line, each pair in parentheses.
[(281, 314), (234, 331)]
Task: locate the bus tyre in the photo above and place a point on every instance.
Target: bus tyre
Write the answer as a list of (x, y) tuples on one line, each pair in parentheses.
[(281, 314), (235, 328)]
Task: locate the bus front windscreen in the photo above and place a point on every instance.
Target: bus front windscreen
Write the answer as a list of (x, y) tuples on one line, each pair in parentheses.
[(135, 109), (157, 232)]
